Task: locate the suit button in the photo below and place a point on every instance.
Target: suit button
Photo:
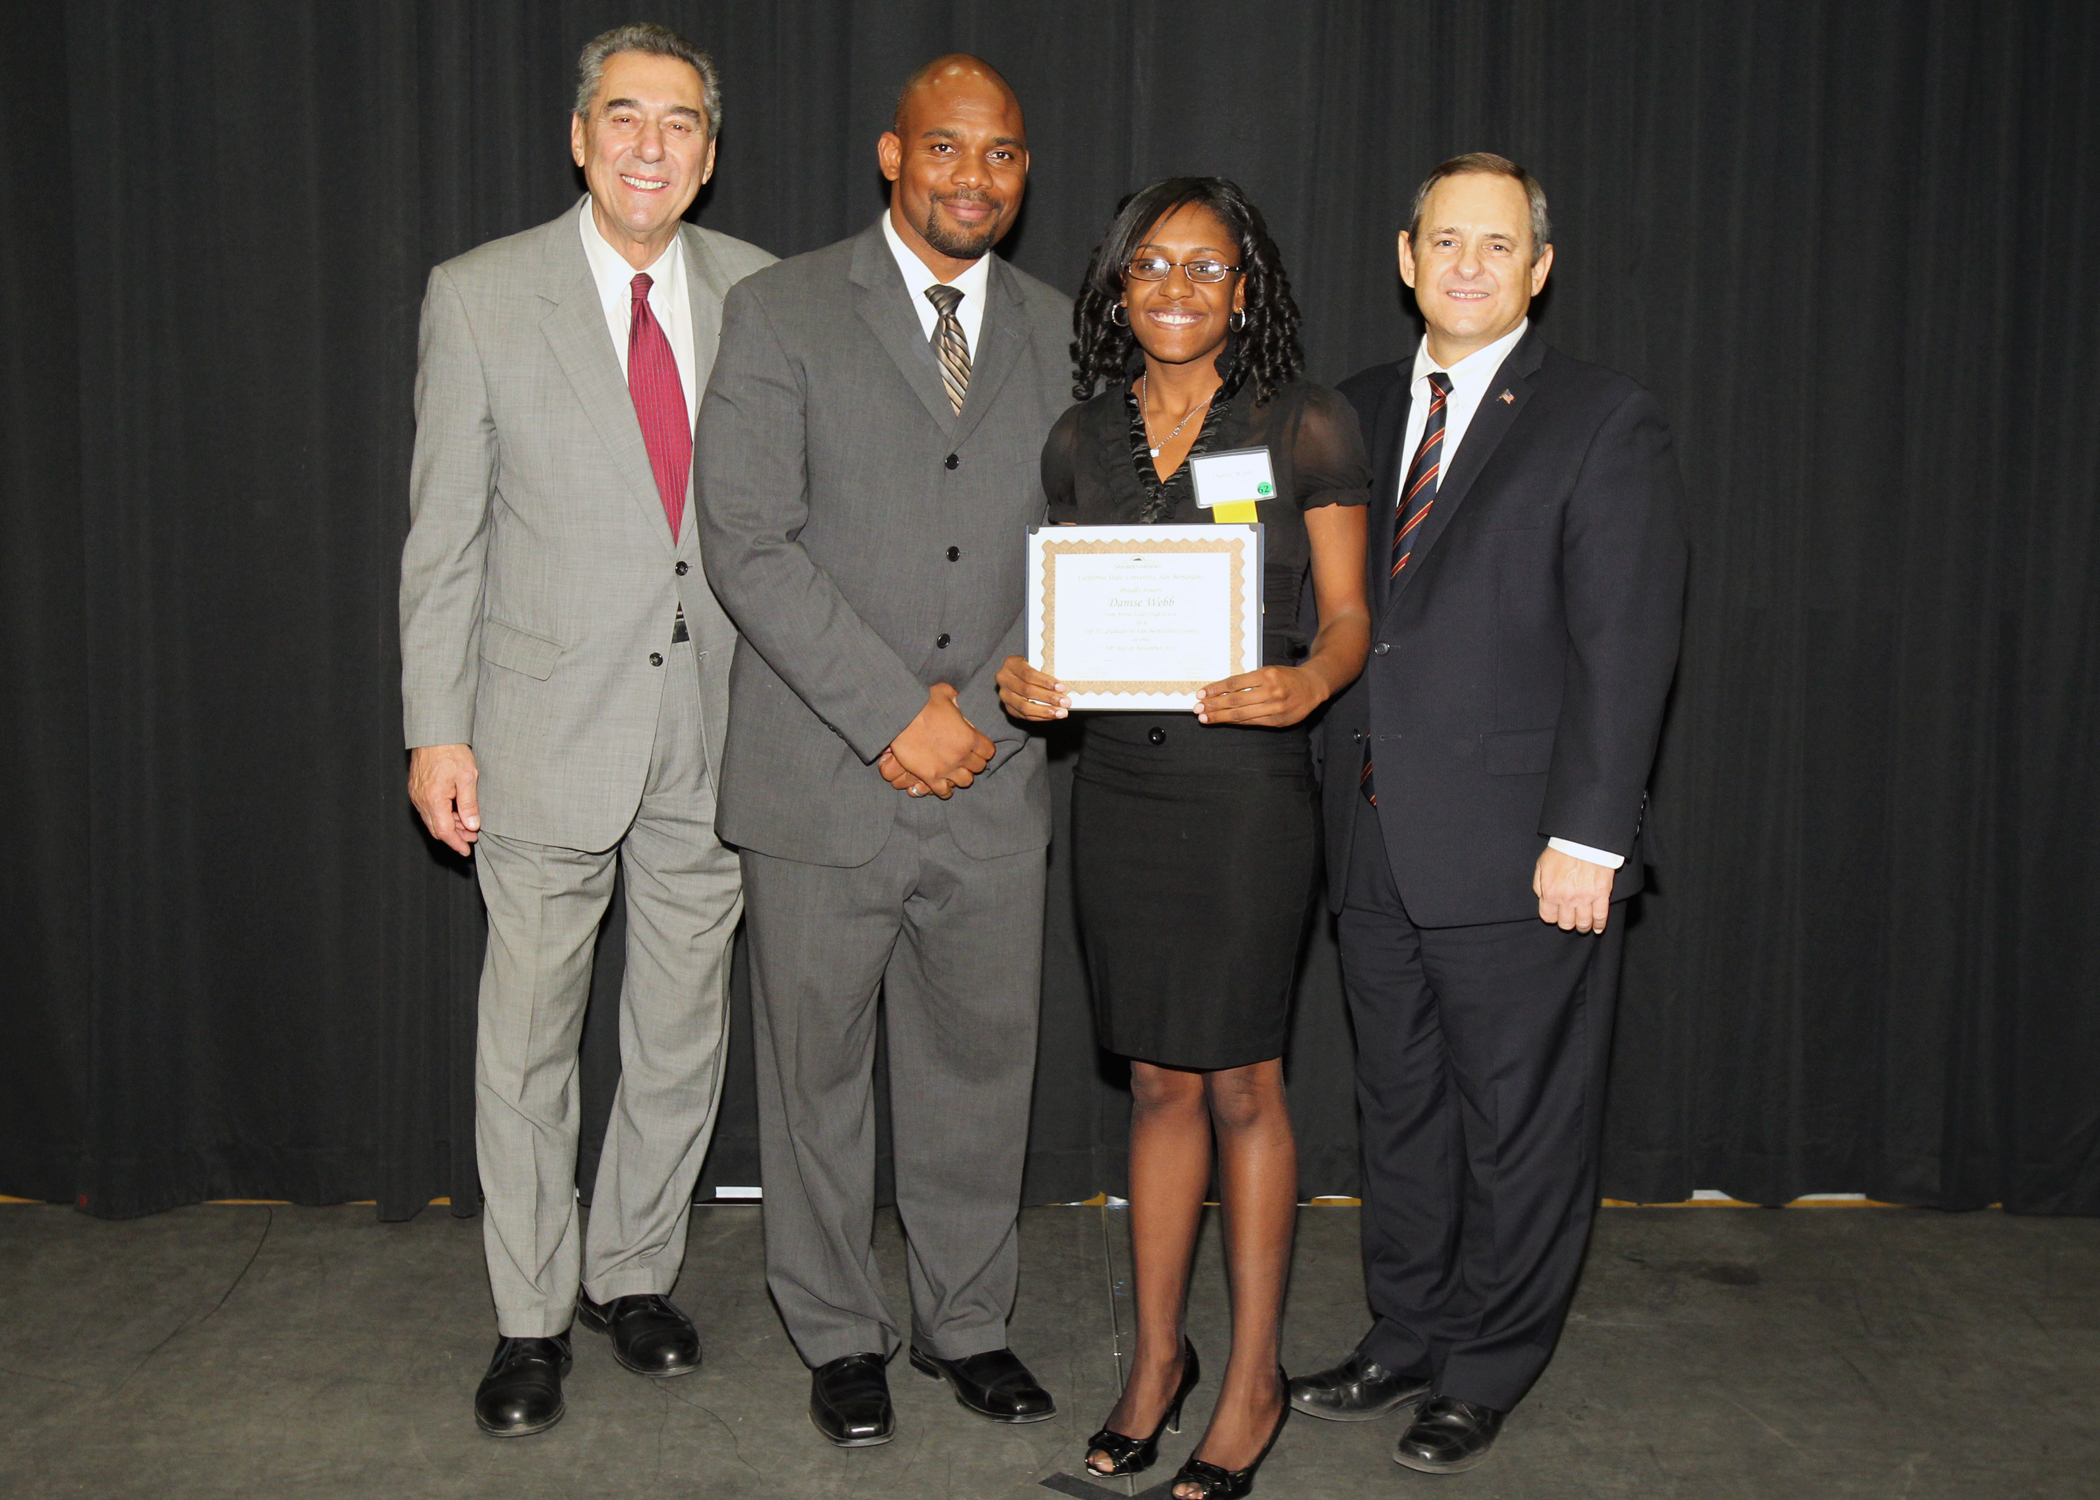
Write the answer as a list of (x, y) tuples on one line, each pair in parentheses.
[(656, 658), (1381, 648), (680, 570), (954, 553), (952, 461), (1157, 735), (1358, 736), (942, 641)]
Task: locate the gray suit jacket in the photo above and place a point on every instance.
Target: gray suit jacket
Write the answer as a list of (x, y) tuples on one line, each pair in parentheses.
[(539, 575), (867, 541)]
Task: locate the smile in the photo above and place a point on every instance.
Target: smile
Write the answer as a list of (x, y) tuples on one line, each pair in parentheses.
[(644, 184), (1468, 296), (1176, 317)]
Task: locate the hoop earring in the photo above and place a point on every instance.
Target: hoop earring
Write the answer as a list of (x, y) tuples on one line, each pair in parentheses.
[(1238, 320), (1120, 315)]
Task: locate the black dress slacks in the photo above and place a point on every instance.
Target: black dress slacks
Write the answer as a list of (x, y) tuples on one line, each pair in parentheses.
[(1481, 1055)]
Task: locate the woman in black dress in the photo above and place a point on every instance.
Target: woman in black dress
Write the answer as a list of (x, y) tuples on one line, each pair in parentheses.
[(1195, 837)]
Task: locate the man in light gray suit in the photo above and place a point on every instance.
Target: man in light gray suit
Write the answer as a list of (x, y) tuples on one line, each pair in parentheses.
[(565, 679), (869, 459)]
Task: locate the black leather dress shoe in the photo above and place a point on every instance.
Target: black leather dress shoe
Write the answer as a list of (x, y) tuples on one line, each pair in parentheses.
[(649, 1335), (521, 1393), (994, 1384), (1356, 1390), (1448, 1436), (849, 1401)]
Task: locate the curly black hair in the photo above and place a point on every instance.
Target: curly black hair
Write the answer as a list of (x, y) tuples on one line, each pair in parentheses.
[(1265, 350)]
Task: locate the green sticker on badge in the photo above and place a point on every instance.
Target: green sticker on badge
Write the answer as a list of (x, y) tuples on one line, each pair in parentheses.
[(1265, 488)]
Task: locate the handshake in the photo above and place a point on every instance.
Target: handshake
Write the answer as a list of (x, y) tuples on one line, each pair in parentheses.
[(938, 751)]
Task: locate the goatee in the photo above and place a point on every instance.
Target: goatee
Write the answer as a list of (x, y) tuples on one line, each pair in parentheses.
[(960, 246)]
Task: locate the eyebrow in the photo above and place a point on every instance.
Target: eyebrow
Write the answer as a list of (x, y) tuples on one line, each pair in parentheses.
[(949, 133), (675, 109)]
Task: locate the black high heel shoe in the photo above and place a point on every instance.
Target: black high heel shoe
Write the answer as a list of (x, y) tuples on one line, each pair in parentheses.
[(1129, 1455), (1231, 1484)]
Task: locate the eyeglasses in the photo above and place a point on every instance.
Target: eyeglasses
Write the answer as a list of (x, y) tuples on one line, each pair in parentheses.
[(1159, 268)]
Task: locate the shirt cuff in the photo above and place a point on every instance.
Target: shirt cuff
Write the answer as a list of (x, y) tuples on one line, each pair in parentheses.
[(1584, 851)]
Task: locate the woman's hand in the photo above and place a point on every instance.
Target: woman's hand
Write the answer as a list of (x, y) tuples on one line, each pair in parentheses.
[(1028, 694), (1271, 696)]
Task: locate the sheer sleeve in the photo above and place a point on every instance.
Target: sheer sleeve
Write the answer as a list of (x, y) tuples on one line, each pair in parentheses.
[(1327, 450), (1060, 468)]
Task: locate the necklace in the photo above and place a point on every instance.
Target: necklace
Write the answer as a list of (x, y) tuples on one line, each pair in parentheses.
[(1144, 402)]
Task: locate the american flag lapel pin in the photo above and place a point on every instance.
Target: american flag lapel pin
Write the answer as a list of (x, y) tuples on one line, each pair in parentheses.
[(1507, 399)]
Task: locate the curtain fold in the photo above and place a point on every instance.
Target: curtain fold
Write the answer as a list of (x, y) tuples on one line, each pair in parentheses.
[(1847, 245)]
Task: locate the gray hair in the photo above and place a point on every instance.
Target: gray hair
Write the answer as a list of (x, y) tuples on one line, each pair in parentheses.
[(659, 41), (1487, 163)]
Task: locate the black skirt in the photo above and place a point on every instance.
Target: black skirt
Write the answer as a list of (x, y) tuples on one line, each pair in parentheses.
[(1195, 858)]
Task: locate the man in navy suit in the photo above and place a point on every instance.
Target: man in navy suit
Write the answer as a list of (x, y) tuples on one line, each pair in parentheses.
[(1484, 785)]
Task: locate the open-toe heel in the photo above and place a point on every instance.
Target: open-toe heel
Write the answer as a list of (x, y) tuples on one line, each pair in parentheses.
[(1229, 1484), (1129, 1455)]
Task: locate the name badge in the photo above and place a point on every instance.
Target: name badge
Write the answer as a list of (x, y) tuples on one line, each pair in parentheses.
[(1231, 485)]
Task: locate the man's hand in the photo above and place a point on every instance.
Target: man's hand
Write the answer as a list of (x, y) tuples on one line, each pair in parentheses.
[(940, 750), (900, 778), (441, 781), (1574, 894)]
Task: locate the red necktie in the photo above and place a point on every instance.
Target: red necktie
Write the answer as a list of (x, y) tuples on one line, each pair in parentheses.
[(659, 400)]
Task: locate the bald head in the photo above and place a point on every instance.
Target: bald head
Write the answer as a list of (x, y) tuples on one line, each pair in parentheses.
[(956, 156), (957, 68)]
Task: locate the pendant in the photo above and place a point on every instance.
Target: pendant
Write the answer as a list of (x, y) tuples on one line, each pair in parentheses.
[(1155, 452)]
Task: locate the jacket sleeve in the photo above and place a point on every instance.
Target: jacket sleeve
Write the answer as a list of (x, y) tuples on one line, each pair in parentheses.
[(452, 477), (753, 492), (1623, 568), (980, 696)]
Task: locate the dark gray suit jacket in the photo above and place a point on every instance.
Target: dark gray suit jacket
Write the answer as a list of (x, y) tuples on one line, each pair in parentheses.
[(867, 541)]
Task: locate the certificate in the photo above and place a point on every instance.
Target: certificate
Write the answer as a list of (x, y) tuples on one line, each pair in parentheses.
[(1143, 617)]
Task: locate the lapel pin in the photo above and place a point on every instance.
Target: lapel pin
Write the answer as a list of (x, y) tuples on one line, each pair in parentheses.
[(1507, 399)]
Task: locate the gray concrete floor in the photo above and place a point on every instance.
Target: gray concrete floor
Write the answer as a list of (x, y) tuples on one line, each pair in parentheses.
[(250, 1351)]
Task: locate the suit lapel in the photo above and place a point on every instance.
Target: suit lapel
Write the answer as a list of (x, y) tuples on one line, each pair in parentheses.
[(1491, 423), (998, 351), (1388, 432), (575, 330), (879, 298), (707, 282)]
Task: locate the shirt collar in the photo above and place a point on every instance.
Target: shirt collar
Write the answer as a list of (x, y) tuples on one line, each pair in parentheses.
[(1477, 368), (918, 276), (609, 268)]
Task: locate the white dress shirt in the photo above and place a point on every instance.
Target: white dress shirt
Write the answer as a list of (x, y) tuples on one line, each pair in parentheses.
[(668, 301), (1471, 379), (918, 276)]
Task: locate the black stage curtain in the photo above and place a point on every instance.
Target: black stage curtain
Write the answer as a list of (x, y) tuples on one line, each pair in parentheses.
[(1850, 244)]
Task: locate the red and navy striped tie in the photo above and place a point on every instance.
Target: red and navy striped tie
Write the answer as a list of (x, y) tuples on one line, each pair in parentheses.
[(1419, 493), (659, 401), (1416, 496)]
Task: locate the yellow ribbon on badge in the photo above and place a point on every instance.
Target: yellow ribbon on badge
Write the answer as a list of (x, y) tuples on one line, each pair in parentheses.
[(1237, 511)]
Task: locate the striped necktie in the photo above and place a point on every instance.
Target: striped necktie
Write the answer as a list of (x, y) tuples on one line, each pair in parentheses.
[(1419, 492), (949, 344), (1416, 496)]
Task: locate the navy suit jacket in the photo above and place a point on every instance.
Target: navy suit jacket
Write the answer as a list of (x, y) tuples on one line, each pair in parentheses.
[(1520, 663)]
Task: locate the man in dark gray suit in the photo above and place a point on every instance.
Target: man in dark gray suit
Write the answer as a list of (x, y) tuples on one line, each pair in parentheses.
[(869, 459), (564, 675)]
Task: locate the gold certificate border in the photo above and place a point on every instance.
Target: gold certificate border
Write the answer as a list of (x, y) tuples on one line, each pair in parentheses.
[(1234, 547)]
